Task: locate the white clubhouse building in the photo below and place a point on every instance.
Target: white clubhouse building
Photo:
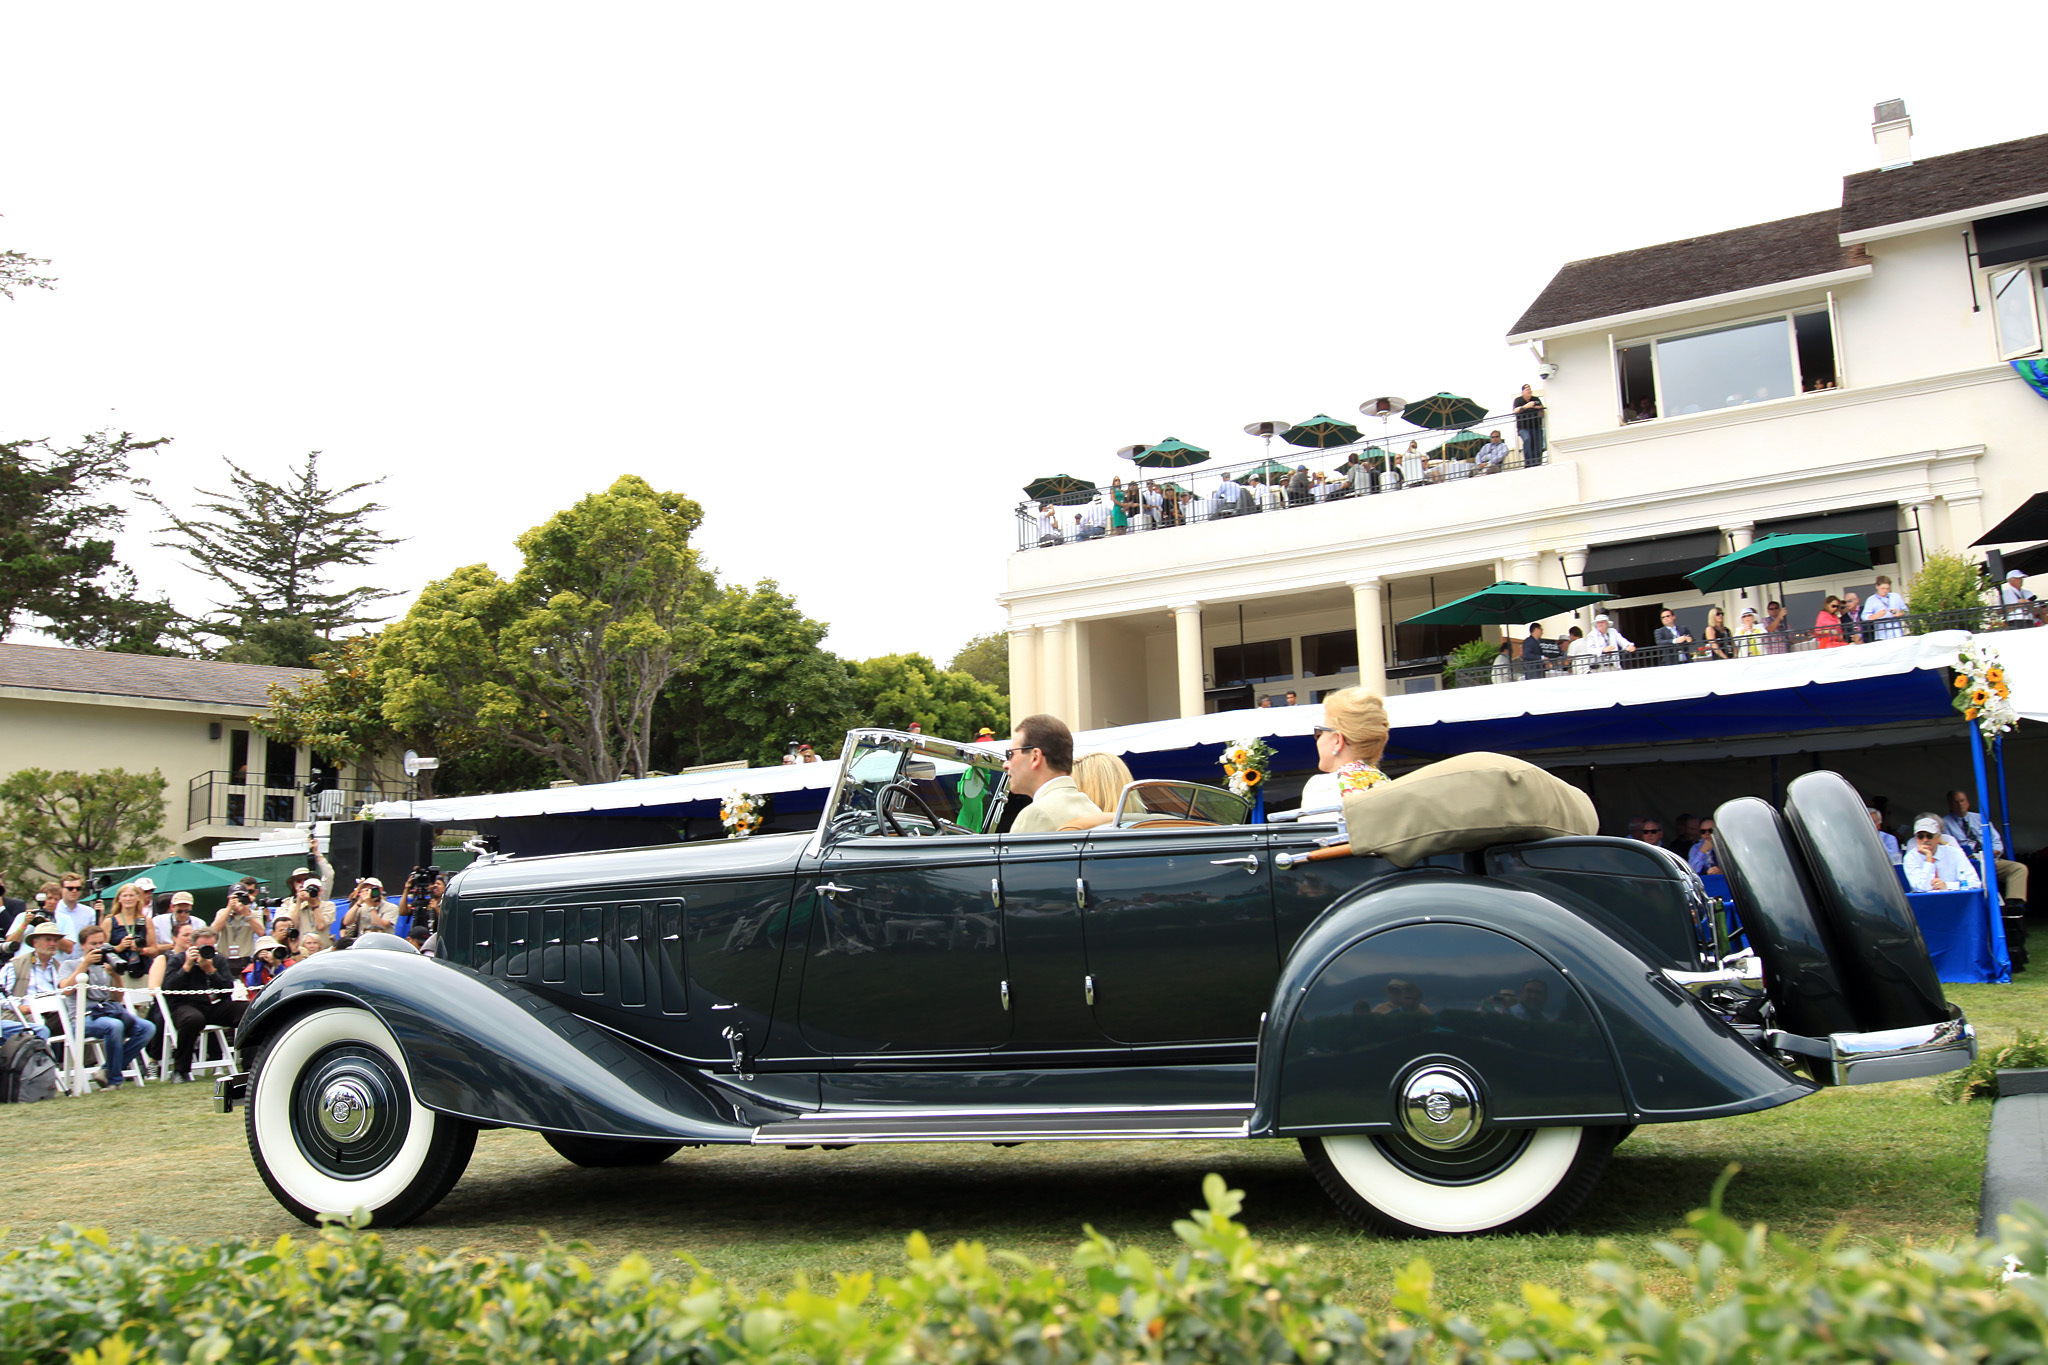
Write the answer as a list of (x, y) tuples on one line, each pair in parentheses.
[(1844, 370)]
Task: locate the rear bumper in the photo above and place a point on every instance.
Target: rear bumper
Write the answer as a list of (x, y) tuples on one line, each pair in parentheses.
[(230, 1090), (1898, 1054)]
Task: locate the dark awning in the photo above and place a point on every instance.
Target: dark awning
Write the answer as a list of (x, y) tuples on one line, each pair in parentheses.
[(1657, 557), (1879, 525), (2028, 521), (2012, 237)]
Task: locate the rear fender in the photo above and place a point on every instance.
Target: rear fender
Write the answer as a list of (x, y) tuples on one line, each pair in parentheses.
[(1411, 971), (484, 1049)]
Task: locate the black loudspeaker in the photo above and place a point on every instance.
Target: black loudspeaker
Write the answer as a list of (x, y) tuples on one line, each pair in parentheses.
[(396, 847), (345, 854)]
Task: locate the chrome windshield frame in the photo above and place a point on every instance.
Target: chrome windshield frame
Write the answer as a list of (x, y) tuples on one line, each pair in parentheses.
[(906, 745)]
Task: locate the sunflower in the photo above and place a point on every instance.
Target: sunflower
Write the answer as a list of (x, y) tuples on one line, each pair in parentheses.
[(1970, 713), (1962, 680), (1230, 770), (1978, 698), (1252, 776), (1994, 675)]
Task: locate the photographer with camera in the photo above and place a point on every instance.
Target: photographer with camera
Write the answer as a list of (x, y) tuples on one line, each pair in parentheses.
[(422, 901), (271, 958), (368, 912), (240, 924), (110, 970), (307, 912), (204, 973)]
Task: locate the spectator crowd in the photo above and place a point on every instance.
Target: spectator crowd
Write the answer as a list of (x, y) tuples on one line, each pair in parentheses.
[(153, 971)]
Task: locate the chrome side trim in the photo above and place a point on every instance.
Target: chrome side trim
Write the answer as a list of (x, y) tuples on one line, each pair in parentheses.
[(1027, 1111), (850, 1129)]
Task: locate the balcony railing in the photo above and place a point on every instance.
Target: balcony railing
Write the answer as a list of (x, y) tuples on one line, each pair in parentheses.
[(1984, 618), (223, 798), (1372, 468)]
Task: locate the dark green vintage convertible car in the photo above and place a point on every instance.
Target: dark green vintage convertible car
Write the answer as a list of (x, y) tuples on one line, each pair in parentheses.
[(1457, 1046)]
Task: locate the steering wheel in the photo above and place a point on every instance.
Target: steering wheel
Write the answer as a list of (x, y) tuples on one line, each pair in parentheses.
[(889, 816)]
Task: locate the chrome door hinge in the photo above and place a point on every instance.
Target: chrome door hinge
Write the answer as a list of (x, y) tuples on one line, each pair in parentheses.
[(737, 1039)]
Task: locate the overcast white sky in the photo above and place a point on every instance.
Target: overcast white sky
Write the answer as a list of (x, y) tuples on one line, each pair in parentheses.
[(849, 275)]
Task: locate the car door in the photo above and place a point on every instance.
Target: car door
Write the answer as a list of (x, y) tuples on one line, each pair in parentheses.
[(1179, 930), (1048, 956), (905, 952)]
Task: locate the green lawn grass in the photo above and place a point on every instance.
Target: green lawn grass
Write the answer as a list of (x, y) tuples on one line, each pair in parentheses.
[(1887, 1163)]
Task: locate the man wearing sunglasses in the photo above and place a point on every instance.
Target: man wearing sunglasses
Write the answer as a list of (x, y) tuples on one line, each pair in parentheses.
[(1040, 760)]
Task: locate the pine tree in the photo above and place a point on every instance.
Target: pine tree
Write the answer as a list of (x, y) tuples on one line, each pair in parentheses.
[(274, 547)]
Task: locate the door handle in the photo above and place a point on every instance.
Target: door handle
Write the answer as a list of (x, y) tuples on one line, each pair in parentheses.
[(1250, 863), (833, 889), (1080, 893), (995, 891), (1006, 995), (630, 938), (1088, 989)]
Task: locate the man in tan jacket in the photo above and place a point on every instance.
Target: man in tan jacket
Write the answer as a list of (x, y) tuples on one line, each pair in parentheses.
[(1040, 760)]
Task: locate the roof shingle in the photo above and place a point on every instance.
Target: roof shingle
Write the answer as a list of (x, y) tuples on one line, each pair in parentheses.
[(1691, 268), (1952, 183), (54, 668)]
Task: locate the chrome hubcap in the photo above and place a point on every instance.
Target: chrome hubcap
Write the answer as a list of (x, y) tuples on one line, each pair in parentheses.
[(347, 1110), (1440, 1108)]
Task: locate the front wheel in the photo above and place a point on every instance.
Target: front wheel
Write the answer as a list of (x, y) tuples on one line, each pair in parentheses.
[(334, 1127), (1505, 1180)]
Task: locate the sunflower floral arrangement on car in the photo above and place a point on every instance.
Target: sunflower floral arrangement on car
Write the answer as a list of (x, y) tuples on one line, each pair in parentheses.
[(1245, 764), (1982, 693), (740, 813)]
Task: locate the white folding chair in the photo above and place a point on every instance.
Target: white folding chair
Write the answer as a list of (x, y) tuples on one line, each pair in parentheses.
[(216, 1051), (79, 1069)]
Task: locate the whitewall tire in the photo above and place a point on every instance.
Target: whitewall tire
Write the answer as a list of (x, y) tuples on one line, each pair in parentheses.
[(1510, 1180), (334, 1125)]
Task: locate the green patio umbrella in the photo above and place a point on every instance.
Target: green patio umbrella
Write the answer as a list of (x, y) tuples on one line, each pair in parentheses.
[(1505, 604), (1321, 432), (1774, 559), (1441, 412), (1056, 486), (1272, 471), (180, 874), (1459, 447), (1171, 453)]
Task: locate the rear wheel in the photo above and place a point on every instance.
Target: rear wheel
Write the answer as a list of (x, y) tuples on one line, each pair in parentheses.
[(334, 1127), (1503, 1180), (604, 1152)]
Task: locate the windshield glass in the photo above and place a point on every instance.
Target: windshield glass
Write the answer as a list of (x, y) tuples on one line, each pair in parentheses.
[(897, 783)]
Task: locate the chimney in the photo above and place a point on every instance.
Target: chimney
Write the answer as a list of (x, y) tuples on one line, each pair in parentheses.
[(1892, 129)]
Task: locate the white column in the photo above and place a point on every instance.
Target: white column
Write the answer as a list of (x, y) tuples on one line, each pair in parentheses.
[(1053, 698), (1965, 521), (1912, 544), (1741, 535), (1187, 642), (1372, 648), (1023, 673), (1525, 569)]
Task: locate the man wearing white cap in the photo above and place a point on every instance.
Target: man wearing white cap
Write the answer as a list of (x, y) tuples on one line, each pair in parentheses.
[(2017, 601), (1936, 864), (1606, 645)]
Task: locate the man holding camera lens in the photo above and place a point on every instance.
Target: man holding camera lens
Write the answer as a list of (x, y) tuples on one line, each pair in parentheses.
[(240, 924), (371, 913), (204, 973), (123, 1033)]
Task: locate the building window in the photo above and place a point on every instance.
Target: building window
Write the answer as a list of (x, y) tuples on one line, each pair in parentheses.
[(1323, 656), (2016, 301), (238, 755), (1726, 367), (1264, 661)]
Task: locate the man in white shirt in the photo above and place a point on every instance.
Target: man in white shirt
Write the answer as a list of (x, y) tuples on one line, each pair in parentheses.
[(1887, 609), (1935, 864), (70, 913), (2017, 601), (1606, 644), (1153, 503), (1095, 519), (1223, 502), (1048, 525)]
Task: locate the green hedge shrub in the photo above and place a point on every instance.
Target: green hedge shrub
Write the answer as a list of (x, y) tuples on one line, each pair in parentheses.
[(80, 1297)]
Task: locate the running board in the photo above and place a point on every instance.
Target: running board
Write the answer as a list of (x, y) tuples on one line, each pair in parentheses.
[(840, 1129)]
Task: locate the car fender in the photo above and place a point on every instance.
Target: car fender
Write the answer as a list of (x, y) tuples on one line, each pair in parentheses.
[(1408, 971), (488, 1050)]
